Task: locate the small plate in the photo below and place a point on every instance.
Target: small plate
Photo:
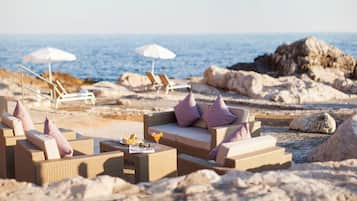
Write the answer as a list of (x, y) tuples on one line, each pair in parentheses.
[(121, 141)]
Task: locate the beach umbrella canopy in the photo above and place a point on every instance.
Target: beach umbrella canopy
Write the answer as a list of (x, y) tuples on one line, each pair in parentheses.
[(155, 51), (49, 55)]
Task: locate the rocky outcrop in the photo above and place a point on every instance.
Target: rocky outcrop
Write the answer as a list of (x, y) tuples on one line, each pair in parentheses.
[(133, 80), (108, 90), (301, 57), (288, 89), (340, 146), (6, 75), (314, 123), (314, 181)]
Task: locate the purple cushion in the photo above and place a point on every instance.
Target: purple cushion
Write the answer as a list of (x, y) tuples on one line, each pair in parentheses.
[(21, 113), (63, 145), (241, 133), (186, 111), (218, 114)]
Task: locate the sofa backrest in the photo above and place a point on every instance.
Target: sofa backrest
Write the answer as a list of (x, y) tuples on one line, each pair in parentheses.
[(241, 113), (45, 143)]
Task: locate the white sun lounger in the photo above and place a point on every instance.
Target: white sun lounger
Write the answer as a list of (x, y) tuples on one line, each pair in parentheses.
[(169, 85), (63, 96)]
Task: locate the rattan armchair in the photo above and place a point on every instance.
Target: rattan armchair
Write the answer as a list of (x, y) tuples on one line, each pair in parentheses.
[(31, 165), (7, 144)]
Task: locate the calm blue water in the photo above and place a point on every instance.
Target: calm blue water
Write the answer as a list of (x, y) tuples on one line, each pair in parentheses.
[(105, 57)]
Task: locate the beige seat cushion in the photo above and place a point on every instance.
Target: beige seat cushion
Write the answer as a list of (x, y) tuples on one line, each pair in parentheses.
[(13, 123), (192, 136), (243, 147), (45, 143)]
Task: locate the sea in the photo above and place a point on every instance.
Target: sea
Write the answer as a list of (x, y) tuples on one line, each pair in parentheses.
[(106, 57)]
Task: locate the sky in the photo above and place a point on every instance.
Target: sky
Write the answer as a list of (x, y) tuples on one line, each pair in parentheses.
[(176, 16)]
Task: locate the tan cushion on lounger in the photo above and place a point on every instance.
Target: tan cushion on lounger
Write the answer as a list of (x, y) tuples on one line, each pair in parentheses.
[(243, 147), (45, 143), (13, 123), (191, 136)]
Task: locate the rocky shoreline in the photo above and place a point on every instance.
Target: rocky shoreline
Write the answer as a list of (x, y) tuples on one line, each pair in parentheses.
[(309, 181)]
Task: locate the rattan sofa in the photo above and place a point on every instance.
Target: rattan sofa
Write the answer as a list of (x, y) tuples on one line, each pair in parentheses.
[(31, 164), (195, 140)]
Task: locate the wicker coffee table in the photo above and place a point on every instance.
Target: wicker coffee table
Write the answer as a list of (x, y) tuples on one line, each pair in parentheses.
[(147, 166)]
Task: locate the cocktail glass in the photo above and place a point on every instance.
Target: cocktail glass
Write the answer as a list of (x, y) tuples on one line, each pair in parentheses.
[(156, 136)]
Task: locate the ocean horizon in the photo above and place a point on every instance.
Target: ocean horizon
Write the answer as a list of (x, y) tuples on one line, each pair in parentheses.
[(106, 56)]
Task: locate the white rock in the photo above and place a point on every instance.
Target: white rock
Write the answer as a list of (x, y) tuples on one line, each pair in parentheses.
[(314, 123), (108, 89), (133, 80)]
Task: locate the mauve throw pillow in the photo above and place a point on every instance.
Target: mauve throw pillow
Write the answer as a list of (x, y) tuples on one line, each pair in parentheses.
[(21, 113), (63, 145), (218, 114), (186, 111), (241, 133)]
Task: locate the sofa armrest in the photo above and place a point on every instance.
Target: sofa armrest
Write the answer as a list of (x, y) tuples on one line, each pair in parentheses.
[(155, 119), (254, 128), (25, 154), (89, 166), (84, 145)]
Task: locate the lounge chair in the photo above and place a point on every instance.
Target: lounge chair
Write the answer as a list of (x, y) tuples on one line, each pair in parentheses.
[(61, 95), (32, 163), (255, 154), (155, 83), (170, 85)]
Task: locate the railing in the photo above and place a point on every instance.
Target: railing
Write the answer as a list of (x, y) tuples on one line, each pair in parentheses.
[(37, 92)]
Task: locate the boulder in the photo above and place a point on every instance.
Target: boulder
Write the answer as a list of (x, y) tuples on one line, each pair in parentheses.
[(314, 123), (300, 57), (203, 88), (340, 146), (133, 80), (108, 89), (289, 89)]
